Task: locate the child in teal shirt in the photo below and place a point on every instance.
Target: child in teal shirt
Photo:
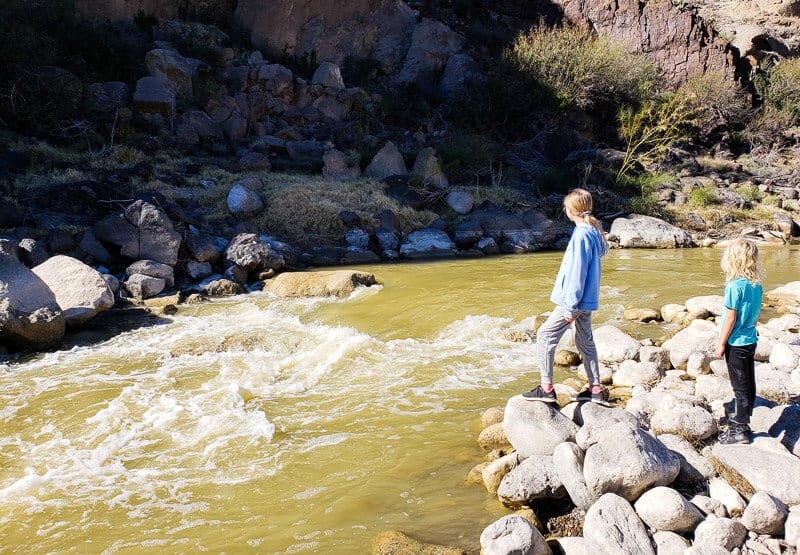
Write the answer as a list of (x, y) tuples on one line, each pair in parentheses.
[(737, 335)]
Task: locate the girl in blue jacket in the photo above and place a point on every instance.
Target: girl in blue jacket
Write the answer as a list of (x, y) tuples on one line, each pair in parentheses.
[(576, 293)]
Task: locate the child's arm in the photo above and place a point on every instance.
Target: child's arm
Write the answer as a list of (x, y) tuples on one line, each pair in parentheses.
[(727, 328)]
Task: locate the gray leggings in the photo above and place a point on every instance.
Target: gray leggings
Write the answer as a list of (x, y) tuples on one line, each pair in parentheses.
[(550, 333)]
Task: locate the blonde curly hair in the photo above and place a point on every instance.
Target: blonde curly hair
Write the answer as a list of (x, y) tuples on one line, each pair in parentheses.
[(740, 260)]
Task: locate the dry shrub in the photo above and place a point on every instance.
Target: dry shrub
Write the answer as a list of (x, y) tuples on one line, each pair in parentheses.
[(303, 209), (734, 479)]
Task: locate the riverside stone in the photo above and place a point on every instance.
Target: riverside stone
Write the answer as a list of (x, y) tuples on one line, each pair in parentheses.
[(394, 542), (765, 514), (243, 201), (512, 534), (709, 506), (701, 335), (641, 231), (428, 243), (664, 508), (535, 428), (30, 316), (141, 286), (493, 437), (627, 462), (723, 492), (492, 474), (339, 283), (694, 423), (670, 543), (612, 526), (153, 269), (770, 471), (387, 162), (722, 532), (632, 373), (568, 462), (614, 345), (80, 290), (534, 478)]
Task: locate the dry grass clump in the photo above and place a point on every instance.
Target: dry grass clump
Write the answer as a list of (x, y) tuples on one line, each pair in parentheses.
[(303, 209), (734, 479)]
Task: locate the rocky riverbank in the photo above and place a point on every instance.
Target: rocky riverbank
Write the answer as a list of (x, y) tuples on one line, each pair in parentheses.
[(647, 474)]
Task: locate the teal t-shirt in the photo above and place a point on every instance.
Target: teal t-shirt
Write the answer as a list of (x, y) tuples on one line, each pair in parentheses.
[(745, 299)]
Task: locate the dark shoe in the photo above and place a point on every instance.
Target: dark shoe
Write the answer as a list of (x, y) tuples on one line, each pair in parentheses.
[(600, 398), (736, 433), (540, 394)]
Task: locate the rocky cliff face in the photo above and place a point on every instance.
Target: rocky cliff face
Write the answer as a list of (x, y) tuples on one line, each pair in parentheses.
[(377, 29), (116, 10), (679, 41)]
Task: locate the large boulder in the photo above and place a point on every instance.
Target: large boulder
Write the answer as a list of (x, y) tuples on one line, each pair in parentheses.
[(432, 45), (638, 231), (30, 317), (535, 428), (428, 243), (80, 290), (387, 162), (664, 508), (534, 478), (340, 283), (627, 462), (252, 253), (614, 345), (774, 470), (700, 336), (612, 526), (143, 231), (512, 534), (172, 68)]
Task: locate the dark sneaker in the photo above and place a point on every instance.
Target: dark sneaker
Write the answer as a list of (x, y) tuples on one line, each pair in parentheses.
[(735, 433), (600, 398), (540, 394)]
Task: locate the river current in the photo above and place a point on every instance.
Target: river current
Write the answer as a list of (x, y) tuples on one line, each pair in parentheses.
[(260, 425)]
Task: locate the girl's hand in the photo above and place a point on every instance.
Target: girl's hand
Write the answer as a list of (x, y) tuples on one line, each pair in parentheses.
[(720, 351), (570, 320)]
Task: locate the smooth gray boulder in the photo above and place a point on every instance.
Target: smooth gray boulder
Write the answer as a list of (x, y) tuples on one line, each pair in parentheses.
[(534, 478), (243, 201), (614, 345), (153, 269), (513, 534), (30, 317), (664, 508), (639, 231), (720, 532), (428, 243), (771, 471), (694, 423), (700, 335), (80, 290), (765, 514), (535, 428), (670, 543), (387, 162), (612, 526), (142, 287), (568, 462), (631, 373), (627, 462)]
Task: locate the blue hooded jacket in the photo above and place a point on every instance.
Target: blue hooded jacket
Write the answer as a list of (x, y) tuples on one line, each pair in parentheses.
[(577, 285)]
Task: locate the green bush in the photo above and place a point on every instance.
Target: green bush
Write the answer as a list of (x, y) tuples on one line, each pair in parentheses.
[(700, 197), (749, 193), (650, 131), (718, 101), (577, 70), (782, 92)]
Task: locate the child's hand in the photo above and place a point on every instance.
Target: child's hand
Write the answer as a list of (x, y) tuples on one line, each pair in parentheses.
[(719, 352)]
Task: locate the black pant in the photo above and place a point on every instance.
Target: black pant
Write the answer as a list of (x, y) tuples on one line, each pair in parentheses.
[(741, 371)]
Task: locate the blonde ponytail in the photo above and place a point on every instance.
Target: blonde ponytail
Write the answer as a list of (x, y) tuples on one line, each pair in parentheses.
[(579, 201)]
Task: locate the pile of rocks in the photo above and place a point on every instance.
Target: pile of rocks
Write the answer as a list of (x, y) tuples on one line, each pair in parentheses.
[(647, 474)]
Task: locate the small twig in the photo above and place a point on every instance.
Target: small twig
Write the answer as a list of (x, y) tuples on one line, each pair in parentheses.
[(120, 200)]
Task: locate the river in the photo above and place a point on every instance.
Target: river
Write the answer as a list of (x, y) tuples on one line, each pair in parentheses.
[(259, 425)]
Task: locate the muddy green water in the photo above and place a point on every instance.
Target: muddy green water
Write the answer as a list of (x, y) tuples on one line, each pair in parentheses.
[(257, 425)]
